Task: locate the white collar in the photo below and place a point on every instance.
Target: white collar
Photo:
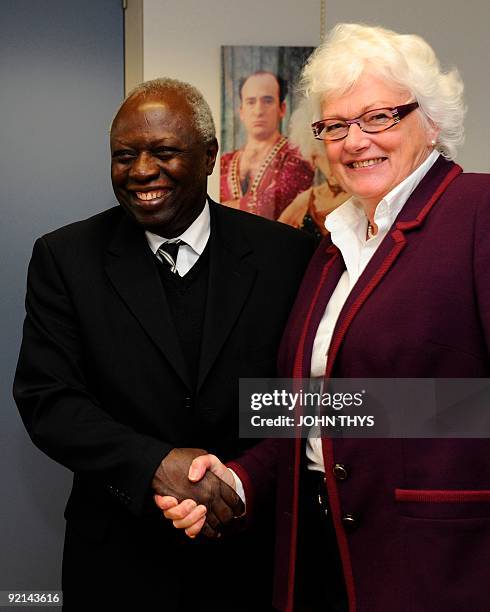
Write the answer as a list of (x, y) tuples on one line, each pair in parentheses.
[(196, 235), (351, 213)]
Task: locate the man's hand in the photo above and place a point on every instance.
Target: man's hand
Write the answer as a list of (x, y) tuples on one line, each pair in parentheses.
[(212, 503), (187, 514)]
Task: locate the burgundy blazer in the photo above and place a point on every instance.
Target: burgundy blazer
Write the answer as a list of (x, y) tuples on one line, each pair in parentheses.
[(420, 541)]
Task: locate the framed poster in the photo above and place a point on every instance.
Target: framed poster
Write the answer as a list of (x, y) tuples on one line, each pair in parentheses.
[(263, 170)]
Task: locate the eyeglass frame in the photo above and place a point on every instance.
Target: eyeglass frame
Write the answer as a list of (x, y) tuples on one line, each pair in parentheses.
[(398, 113)]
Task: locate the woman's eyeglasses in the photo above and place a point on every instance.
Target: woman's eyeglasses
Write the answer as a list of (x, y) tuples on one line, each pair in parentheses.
[(371, 122)]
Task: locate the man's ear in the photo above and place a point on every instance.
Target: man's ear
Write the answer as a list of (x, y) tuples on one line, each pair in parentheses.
[(211, 154), (282, 109)]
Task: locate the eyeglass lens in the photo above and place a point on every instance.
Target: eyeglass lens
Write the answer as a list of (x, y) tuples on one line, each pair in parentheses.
[(372, 121)]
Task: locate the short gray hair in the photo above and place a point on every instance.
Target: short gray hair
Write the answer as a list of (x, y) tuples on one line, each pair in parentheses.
[(405, 60), (203, 118)]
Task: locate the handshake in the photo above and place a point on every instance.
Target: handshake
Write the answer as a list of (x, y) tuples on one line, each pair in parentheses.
[(197, 492)]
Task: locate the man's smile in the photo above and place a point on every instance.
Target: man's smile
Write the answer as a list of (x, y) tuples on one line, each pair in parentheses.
[(149, 199), (149, 195)]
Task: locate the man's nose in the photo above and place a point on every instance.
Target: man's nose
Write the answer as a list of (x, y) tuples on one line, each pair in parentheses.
[(356, 139), (144, 167)]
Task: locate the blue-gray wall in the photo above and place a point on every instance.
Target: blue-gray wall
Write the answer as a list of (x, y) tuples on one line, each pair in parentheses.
[(61, 78)]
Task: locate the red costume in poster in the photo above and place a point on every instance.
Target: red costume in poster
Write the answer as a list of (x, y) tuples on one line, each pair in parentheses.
[(282, 176)]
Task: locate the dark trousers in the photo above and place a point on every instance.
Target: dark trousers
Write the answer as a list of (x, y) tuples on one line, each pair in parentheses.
[(320, 585), (145, 564)]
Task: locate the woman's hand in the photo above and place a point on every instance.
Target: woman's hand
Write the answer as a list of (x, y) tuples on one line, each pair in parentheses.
[(232, 203), (294, 213), (187, 514)]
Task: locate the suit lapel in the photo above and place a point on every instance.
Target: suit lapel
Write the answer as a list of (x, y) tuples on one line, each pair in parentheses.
[(231, 278), (411, 217), (130, 267)]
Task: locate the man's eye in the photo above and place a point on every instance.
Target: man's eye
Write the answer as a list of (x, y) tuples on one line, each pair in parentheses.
[(123, 156), (166, 152)]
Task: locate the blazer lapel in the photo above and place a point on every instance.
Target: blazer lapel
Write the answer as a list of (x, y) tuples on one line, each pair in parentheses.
[(319, 282), (130, 267), (411, 217), (231, 278)]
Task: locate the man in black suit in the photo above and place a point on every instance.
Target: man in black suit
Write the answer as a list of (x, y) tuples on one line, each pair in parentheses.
[(140, 321)]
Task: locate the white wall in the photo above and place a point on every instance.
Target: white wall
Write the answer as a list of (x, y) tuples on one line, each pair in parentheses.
[(458, 31), (182, 39)]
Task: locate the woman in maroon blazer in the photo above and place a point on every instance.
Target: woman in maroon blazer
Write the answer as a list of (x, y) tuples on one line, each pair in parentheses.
[(400, 288)]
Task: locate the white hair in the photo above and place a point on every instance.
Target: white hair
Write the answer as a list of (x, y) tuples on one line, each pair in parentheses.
[(203, 118), (300, 133), (405, 60)]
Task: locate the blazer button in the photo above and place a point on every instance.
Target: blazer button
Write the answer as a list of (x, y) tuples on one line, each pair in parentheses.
[(340, 471), (349, 521), (187, 402)]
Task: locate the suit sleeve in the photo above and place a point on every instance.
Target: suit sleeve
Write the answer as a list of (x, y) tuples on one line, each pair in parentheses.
[(62, 416), (258, 467)]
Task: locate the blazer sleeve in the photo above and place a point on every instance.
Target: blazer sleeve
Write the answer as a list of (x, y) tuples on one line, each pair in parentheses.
[(257, 469), (482, 259), (62, 416)]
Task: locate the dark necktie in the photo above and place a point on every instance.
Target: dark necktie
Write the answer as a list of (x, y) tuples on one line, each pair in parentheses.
[(167, 254)]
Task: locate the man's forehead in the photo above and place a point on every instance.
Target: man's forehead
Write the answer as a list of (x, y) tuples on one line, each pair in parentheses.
[(158, 108), (158, 100), (260, 83), (150, 105)]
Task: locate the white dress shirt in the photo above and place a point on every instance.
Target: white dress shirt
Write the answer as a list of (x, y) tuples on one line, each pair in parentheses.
[(348, 229), (196, 237)]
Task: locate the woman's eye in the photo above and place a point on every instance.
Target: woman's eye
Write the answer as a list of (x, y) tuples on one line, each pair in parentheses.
[(331, 127), (378, 118)]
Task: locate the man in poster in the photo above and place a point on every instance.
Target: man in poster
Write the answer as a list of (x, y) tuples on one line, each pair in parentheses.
[(265, 175)]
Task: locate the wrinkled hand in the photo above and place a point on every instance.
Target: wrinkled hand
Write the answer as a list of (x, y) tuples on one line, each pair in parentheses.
[(294, 213), (232, 203), (187, 514), (208, 495)]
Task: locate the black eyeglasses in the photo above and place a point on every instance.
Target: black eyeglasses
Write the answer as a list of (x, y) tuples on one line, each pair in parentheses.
[(371, 122)]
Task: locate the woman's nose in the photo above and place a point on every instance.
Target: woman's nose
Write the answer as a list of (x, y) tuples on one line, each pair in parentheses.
[(356, 139)]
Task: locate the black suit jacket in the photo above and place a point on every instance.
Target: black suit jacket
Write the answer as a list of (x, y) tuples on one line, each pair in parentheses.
[(102, 384)]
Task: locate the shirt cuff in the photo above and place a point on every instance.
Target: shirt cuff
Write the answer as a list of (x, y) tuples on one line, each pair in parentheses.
[(239, 487)]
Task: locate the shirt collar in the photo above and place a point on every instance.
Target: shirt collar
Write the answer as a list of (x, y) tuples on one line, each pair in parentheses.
[(394, 201), (196, 235), (351, 213)]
